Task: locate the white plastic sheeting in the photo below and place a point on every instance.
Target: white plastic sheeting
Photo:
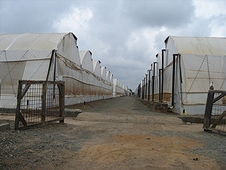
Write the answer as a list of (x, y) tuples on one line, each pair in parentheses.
[(51, 57), (86, 60), (199, 61), (202, 61), (118, 88)]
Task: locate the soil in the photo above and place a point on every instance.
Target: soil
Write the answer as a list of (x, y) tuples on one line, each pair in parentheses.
[(119, 133)]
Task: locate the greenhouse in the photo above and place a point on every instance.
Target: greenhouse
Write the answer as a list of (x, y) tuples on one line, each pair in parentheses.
[(51, 57)]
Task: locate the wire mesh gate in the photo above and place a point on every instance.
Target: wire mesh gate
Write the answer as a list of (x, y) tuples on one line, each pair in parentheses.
[(215, 112), (39, 102)]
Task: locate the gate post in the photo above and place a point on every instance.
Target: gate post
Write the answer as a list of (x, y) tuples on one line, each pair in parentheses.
[(44, 88), (18, 105), (208, 110), (62, 100)]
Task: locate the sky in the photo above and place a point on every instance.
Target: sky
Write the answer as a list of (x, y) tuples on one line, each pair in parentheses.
[(125, 35)]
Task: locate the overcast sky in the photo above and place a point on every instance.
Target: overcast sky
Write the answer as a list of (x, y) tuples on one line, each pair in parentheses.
[(125, 35)]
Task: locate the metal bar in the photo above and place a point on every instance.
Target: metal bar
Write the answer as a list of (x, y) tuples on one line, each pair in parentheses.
[(181, 80), (51, 60), (160, 99), (146, 86), (149, 84), (173, 79), (162, 93), (37, 82), (54, 76), (153, 82), (143, 89)]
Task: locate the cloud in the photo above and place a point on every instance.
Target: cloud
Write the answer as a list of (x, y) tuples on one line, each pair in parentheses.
[(22, 16), (159, 13), (76, 19), (209, 8), (218, 28), (212, 16)]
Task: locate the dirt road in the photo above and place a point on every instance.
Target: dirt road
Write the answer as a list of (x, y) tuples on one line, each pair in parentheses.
[(120, 133)]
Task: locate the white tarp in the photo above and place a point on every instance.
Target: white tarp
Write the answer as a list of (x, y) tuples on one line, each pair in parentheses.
[(202, 61), (50, 57)]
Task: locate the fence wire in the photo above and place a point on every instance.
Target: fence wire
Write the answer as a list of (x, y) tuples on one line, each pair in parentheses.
[(215, 111), (219, 107), (39, 102)]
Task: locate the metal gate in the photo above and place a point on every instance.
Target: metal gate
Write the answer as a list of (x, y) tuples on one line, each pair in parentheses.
[(39, 103), (215, 112)]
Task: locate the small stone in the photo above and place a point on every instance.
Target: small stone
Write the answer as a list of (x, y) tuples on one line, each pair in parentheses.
[(195, 159)]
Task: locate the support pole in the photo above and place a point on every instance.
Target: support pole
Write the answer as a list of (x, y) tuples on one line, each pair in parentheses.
[(173, 79), (149, 83), (142, 89), (146, 86), (153, 82), (162, 92)]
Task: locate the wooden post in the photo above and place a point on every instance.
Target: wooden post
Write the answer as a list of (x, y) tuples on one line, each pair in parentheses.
[(19, 90), (44, 88), (218, 119), (62, 100), (208, 110)]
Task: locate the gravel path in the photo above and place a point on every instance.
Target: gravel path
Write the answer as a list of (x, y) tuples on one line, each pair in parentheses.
[(120, 133)]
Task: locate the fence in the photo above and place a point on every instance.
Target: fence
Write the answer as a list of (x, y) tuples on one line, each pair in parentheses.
[(39, 103), (215, 112)]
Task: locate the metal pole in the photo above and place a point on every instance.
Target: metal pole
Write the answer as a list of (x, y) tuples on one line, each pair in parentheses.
[(162, 74), (173, 79), (142, 89), (149, 83), (146, 85), (153, 82), (138, 92), (160, 85)]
